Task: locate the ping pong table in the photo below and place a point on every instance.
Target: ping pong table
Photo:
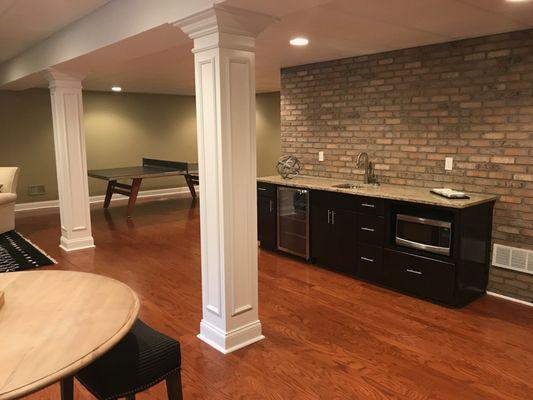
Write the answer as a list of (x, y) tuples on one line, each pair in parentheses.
[(150, 168)]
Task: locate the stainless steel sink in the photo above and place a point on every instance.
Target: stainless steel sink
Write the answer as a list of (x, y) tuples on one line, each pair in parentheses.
[(348, 186), (355, 185)]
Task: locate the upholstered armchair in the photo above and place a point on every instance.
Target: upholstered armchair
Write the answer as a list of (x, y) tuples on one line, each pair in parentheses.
[(8, 197)]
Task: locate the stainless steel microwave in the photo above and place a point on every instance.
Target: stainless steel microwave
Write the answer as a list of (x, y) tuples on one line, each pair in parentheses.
[(431, 235)]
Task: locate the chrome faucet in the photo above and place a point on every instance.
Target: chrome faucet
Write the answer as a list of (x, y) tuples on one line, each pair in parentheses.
[(363, 161)]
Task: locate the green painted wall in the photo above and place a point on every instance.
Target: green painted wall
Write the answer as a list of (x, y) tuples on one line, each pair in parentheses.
[(26, 141), (268, 130), (120, 129)]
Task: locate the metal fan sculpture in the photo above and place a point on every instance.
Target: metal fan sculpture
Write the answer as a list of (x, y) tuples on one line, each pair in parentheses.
[(288, 167)]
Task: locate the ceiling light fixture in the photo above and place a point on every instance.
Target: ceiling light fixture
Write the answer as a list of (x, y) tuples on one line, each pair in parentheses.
[(299, 41), (116, 89), (517, 1)]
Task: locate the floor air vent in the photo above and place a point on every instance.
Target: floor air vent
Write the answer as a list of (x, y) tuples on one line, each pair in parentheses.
[(513, 258)]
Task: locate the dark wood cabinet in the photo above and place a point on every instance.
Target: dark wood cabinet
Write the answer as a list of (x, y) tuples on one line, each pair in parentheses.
[(422, 276), (266, 216), (370, 229), (370, 262), (370, 238), (370, 205), (356, 235), (333, 237), (319, 222), (342, 241)]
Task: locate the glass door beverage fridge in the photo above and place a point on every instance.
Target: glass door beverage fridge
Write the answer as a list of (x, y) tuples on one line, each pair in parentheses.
[(293, 221)]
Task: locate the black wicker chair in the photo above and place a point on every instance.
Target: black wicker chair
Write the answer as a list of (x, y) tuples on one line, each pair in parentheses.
[(143, 358)]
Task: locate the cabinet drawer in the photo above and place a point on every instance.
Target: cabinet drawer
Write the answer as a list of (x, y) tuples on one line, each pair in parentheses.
[(370, 262), (370, 205), (421, 276), (370, 229), (266, 189)]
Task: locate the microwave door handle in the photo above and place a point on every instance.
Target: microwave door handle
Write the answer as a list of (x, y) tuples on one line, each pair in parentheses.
[(427, 247), (425, 221)]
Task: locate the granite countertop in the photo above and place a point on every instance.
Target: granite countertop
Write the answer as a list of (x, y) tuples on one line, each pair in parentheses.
[(394, 192)]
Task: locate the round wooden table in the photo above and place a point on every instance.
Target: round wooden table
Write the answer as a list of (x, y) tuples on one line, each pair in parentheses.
[(53, 323)]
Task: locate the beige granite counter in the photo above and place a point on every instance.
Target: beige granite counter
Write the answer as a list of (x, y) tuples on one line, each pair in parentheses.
[(393, 192)]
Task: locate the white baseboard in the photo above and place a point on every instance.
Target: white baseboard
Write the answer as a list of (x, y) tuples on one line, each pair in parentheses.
[(76, 244), (144, 194), (501, 296), (226, 342)]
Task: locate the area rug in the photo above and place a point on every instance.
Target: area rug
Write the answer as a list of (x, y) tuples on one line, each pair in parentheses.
[(17, 253)]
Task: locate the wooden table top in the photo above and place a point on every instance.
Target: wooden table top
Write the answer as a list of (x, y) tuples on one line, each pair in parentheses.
[(133, 172), (146, 171), (53, 323)]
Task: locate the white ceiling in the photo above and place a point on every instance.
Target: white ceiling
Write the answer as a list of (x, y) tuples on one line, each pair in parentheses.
[(24, 23), (160, 61)]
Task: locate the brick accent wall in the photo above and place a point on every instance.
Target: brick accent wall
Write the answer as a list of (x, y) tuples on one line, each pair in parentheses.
[(409, 109)]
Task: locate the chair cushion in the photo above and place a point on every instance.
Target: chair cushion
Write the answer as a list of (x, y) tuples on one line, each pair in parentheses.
[(141, 359)]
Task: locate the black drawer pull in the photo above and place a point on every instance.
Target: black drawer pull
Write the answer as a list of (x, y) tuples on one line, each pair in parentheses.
[(367, 229), (367, 259), (413, 271), (368, 205), (262, 189)]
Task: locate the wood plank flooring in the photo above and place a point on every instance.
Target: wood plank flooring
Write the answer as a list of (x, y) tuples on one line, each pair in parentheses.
[(327, 336)]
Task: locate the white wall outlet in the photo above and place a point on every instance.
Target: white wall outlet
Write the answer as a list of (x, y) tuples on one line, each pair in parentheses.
[(320, 156), (448, 163)]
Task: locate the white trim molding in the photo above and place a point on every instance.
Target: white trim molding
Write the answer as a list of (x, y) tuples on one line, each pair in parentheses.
[(508, 298), (226, 342), (156, 194)]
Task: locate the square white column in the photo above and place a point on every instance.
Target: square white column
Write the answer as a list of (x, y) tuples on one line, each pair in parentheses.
[(225, 107), (71, 160)]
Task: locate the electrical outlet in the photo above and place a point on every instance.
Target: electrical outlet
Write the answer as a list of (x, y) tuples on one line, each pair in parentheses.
[(320, 156), (448, 163)]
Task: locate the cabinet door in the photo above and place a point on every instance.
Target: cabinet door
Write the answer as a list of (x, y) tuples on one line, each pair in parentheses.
[(333, 232), (266, 222), (342, 242), (320, 228)]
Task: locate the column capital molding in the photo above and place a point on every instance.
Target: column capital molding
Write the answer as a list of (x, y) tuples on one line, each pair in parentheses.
[(224, 26), (62, 79)]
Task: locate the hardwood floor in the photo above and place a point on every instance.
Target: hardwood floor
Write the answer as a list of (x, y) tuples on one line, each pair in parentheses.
[(327, 336)]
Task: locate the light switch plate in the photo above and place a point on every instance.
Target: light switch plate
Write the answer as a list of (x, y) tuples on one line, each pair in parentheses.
[(320, 156), (448, 163)]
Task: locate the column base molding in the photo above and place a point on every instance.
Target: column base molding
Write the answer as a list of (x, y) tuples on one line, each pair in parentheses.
[(76, 244), (226, 342)]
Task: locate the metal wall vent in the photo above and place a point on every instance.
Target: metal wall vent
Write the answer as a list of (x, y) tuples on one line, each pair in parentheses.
[(513, 258), (36, 190)]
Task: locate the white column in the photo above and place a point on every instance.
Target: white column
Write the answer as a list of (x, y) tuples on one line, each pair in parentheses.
[(71, 160), (224, 43)]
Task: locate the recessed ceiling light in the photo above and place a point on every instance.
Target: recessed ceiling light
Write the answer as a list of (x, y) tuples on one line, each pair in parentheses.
[(517, 1), (299, 41), (116, 89)]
